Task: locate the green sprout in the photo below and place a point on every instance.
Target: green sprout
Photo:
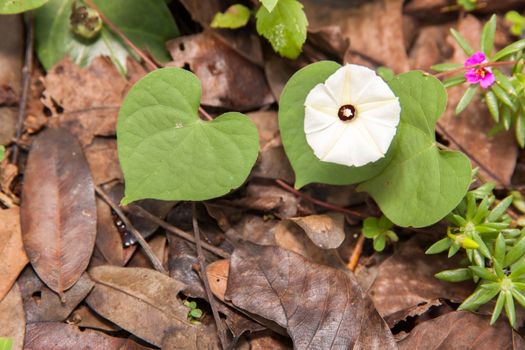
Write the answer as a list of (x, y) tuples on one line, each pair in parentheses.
[(380, 231), (468, 5), (195, 314)]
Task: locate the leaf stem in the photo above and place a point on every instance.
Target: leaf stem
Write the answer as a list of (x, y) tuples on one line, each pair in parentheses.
[(356, 254), (204, 277), (479, 65), (26, 83), (136, 234)]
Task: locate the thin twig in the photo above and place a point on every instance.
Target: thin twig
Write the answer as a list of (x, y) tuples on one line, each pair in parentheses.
[(175, 230), (204, 277), (318, 202), (479, 65), (136, 234), (205, 114), (356, 254), (26, 83)]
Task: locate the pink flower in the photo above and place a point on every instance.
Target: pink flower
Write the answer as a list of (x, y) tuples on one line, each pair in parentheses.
[(481, 75)]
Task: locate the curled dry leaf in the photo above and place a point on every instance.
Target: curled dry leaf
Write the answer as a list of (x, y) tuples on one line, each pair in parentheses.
[(12, 318), (462, 330), (406, 280), (41, 304), (230, 80), (144, 302), (321, 307), (85, 100), (12, 251), (326, 231), (61, 336), (84, 317), (58, 212)]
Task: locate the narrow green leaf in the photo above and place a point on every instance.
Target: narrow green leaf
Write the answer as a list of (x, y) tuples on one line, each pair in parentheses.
[(504, 82), (454, 248), (445, 67), (503, 96), (466, 99), (515, 252), (520, 130), (478, 298), (500, 249), (484, 273), (487, 36), (462, 42), (510, 310), (497, 308), (439, 246), (481, 245), (500, 209), (471, 206), (236, 16), (456, 275), (520, 298), (492, 105), (517, 270), (483, 190), (454, 81), (2, 152), (510, 49), (506, 117)]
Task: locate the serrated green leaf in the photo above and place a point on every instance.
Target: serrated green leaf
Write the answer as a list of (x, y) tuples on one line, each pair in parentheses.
[(510, 49), (236, 16), (492, 105), (6, 343), (166, 152), (284, 27), (429, 182), (462, 42), (454, 81), (487, 36), (497, 308), (439, 246), (445, 67), (307, 167), (456, 275), (148, 24), (466, 98), (269, 4), (10, 7)]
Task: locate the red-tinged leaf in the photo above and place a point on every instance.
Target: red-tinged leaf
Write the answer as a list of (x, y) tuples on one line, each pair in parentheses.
[(11, 249), (58, 212), (12, 318), (61, 336), (321, 307), (142, 301)]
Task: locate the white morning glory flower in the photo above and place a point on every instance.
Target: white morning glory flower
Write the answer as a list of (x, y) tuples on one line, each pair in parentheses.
[(352, 118)]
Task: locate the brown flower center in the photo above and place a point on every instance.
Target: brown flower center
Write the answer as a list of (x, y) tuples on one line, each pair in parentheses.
[(346, 113)]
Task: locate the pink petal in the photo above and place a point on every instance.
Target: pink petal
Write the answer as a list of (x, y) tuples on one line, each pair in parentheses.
[(471, 76), (476, 58), (487, 81)]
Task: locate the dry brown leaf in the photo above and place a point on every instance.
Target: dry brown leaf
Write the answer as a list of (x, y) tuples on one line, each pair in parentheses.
[(158, 245), (326, 231), (144, 302), (41, 304), (11, 60), (12, 318), (462, 330), (85, 100), (58, 212), (269, 340), (85, 318), (217, 273), (373, 28), (430, 47), (103, 161), (229, 80), (181, 262), (61, 336), (406, 280), (470, 128), (320, 307), (12, 251), (109, 241)]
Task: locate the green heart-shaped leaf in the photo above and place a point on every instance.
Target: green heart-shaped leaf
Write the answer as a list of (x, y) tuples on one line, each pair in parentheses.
[(421, 184), (307, 167), (8, 7), (167, 152)]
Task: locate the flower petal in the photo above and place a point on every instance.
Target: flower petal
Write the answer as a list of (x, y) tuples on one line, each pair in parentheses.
[(349, 82), (385, 113), (322, 141), (487, 81), (381, 134), (320, 99), (376, 90), (476, 58), (316, 120), (471, 76)]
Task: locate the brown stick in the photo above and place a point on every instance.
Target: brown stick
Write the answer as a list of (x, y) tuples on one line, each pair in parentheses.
[(26, 83), (356, 254), (204, 277), (479, 65), (136, 234), (318, 202), (175, 230)]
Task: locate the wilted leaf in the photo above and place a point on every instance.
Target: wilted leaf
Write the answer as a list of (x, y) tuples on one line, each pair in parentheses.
[(41, 304), (462, 330), (61, 336), (12, 251), (144, 302), (230, 80), (12, 318), (326, 231), (199, 160), (58, 213), (320, 307), (406, 280)]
